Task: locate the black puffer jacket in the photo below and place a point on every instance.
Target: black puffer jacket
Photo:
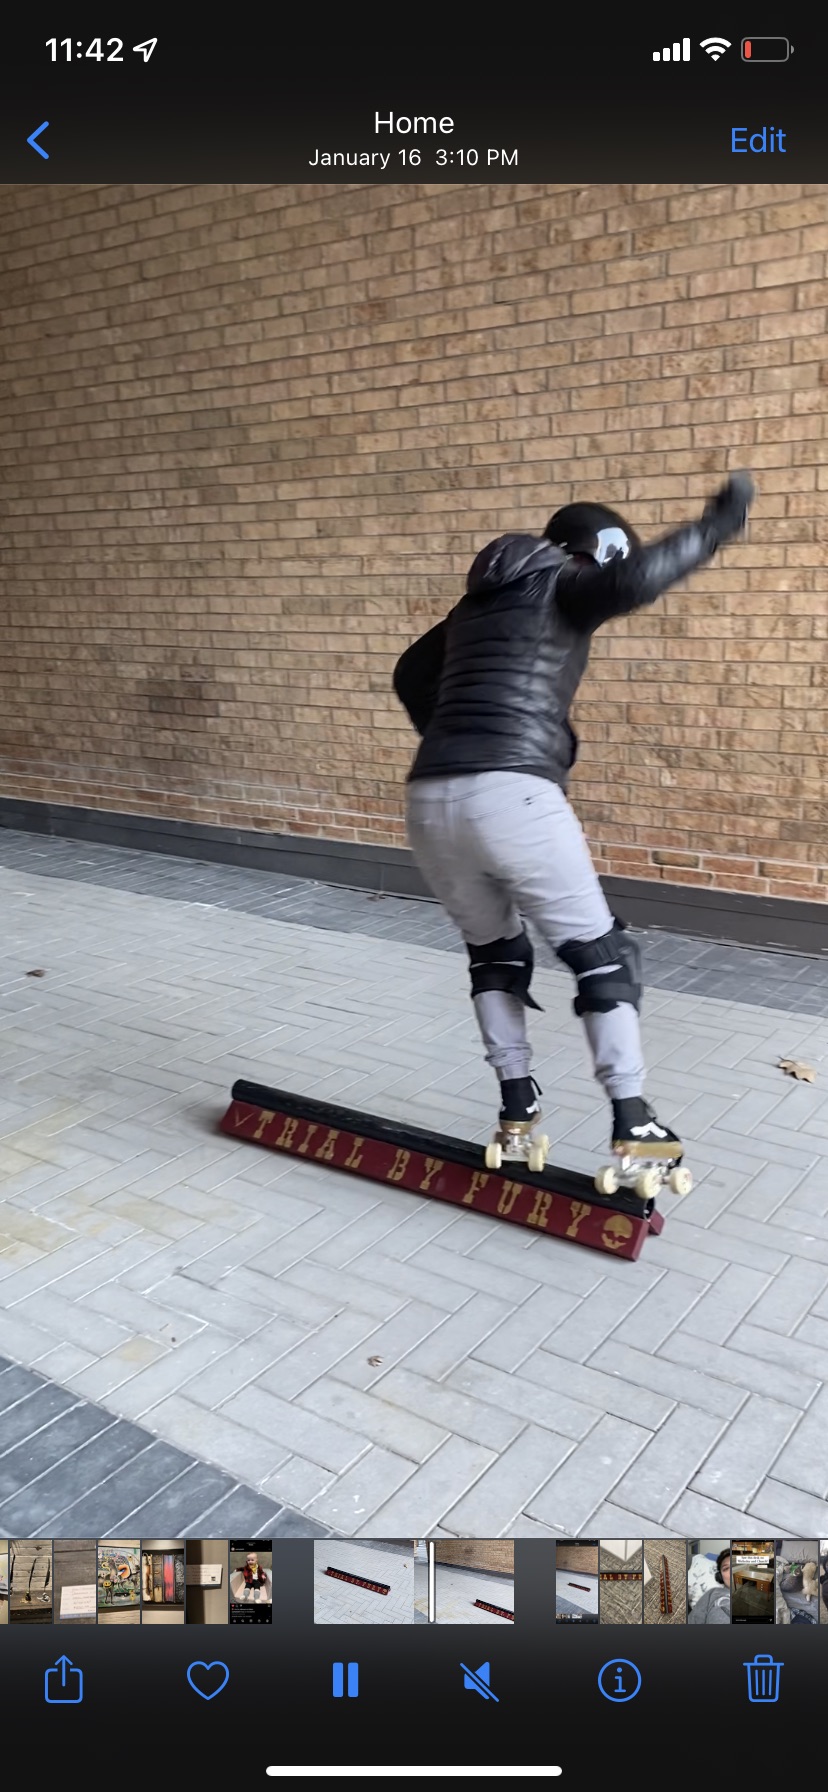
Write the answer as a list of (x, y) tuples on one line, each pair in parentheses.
[(489, 689)]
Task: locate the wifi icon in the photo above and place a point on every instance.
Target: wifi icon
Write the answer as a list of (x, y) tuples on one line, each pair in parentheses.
[(715, 47)]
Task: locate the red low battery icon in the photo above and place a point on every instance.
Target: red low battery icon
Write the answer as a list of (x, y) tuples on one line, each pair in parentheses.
[(766, 49)]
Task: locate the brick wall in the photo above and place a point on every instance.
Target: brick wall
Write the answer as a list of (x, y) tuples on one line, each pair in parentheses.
[(252, 438), (495, 1557)]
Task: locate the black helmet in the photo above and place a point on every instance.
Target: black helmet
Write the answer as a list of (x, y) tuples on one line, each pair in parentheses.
[(593, 530)]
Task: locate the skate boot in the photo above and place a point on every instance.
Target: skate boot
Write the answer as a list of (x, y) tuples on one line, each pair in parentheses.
[(649, 1154), (519, 1115)]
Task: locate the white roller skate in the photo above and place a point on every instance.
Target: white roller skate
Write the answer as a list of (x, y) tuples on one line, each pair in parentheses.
[(648, 1155), (514, 1140)]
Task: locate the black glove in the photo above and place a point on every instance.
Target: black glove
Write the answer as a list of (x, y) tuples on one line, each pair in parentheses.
[(726, 514)]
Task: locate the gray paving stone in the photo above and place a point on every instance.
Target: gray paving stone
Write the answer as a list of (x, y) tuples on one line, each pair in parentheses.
[(701, 1245), (742, 1459), (733, 1365), (16, 1383), (694, 1515), (254, 1300), (807, 1360), (111, 1446), (548, 1262), (588, 1476), (41, 1407), (291, 1524), (790, 1297), (237, 1367), (410, 1282), (168, 1258), (363, 1297), (146, 1318), (492, 1506), (520, 1335), (800, 1513), (179, 1509), (142, 985), (669, 1463), (300, 1432), (100, 1376), (711, 1393), (35, 1454), (426, 1223), (717, 1314), (592, 1387), (469, 1271), (423, 1500), (811, 1228), (375, 1418), (352, 1504), (214, 1437), (657, 1316), (134, 1397), (102, 1511), (297, 1483), (451, 1411), (303, 1365), (598, 1315), (517, 1395), (767, 1191), (458, 1337), (803, 1461), (531, 1529), (50, 1268), (614, 1521), (814, 1331)]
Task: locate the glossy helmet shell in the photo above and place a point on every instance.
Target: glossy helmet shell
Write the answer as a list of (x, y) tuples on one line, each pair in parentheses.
[(593, 530)]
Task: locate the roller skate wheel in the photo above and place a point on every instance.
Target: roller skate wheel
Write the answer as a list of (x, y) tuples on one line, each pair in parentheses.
[(537, 1158), (680, 1181), (648, 1184), (606, 1182), (543, 1144), (494, 1156)]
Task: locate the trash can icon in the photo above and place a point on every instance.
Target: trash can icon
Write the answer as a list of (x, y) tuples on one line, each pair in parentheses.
[(763, 1679)]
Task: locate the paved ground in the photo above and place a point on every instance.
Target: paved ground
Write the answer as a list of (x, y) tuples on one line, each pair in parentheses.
[(338, 1602), (576, 1593), (67, 1464), (230, 1305), (457, 1589)]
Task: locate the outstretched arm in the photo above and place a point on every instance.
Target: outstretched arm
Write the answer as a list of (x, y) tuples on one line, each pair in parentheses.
[(590, 594), (417, 676)]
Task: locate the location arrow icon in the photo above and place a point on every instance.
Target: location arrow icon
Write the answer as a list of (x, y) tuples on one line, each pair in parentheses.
[(146, 48)]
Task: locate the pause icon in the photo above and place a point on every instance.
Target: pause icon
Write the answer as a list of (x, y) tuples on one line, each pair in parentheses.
[(339, 1680), (679, 53)]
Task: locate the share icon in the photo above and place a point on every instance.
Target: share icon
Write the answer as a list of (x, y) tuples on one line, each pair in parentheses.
[(478, 1681)]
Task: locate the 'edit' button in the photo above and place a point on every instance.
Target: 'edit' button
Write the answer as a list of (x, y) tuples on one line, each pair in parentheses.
[(764, 140)]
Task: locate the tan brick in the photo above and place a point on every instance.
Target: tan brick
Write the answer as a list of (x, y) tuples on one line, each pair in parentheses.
[(254, 436)]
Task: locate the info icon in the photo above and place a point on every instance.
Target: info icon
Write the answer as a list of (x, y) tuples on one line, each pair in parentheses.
[(619, 1681)]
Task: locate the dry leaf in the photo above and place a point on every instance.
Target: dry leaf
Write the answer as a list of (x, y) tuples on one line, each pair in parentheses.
[(35, 973), (804, 1073), (374, 1361)]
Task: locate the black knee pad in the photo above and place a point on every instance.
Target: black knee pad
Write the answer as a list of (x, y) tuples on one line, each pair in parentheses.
[(600, 987), (506, 965)]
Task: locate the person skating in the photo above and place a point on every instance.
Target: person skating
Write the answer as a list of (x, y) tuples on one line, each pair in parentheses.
[(489, 691)]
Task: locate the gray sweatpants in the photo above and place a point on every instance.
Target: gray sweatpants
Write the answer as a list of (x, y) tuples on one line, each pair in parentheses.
[(500, 848)]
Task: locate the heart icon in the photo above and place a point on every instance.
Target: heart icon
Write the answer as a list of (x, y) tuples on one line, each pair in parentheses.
[(211, 1668)]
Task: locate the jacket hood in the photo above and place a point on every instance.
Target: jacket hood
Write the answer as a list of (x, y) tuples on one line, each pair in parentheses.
[(509, 558)]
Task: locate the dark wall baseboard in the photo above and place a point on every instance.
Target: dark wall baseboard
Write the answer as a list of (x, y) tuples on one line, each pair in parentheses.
[(723, 915)]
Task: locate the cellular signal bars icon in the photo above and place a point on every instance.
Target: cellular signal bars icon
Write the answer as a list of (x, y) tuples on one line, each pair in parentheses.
[(679, 53)]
